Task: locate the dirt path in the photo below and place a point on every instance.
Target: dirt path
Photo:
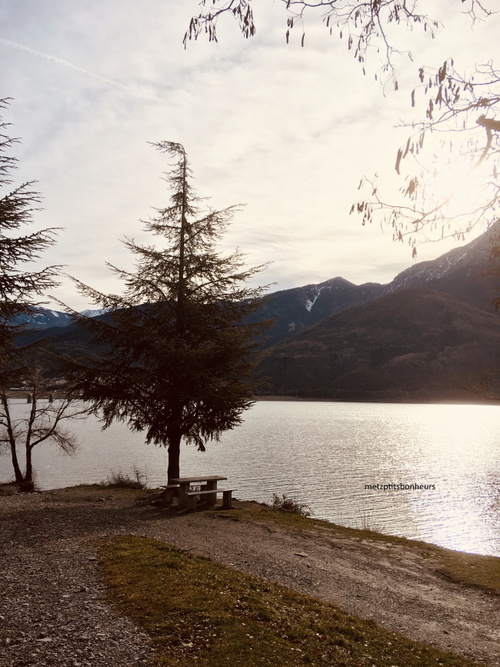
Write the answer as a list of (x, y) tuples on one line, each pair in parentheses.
[(53, 611)]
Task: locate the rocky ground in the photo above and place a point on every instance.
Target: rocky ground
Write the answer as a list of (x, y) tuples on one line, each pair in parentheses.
[(53, 608)]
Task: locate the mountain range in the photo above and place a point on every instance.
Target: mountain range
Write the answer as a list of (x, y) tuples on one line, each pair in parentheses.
[(431, 334), (464, 273), (39, 319)]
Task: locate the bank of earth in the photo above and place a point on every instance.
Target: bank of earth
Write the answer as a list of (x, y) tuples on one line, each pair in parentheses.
[(62, 602)]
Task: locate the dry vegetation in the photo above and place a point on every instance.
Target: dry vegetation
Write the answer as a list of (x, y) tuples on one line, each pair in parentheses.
[(198, 611)]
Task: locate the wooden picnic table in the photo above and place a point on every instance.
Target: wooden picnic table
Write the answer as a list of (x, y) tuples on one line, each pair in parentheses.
[(209, 484)]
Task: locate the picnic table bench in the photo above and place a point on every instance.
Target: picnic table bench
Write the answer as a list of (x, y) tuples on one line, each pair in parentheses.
[(208, 484)]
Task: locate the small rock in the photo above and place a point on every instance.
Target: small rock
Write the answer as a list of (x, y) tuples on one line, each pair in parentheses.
[(298, 553)]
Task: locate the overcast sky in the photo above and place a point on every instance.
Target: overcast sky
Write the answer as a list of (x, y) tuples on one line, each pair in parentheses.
[(288, 131)]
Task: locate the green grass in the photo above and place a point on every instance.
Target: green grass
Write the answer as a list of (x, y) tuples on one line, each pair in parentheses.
[(471, 569), (200, 612)]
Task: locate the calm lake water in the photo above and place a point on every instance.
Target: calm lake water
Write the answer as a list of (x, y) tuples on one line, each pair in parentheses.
[(323, 454)]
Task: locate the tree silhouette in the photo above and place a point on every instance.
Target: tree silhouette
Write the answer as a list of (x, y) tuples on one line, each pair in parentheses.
[(450, 161), (40, 421), (19, 287), (455, 139), (364, 25), (178, 349)]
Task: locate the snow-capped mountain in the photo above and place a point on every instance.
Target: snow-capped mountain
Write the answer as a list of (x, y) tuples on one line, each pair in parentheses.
[(465, 272), (43, 318), (94, 313)]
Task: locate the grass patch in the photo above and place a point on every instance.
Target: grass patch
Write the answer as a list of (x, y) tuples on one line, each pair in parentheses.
[(99, 493), (472, 569), (8, 488), (198, 611), (269, 514)]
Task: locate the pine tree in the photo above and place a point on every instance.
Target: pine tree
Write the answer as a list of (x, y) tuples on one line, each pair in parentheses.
[(178, 348), (18, 286), (20, 289)]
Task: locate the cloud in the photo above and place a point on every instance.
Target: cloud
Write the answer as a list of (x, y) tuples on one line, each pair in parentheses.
[(64, 63), (287, 130)]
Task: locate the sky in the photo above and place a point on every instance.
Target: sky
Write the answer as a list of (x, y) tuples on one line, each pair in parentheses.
[(286, 131)]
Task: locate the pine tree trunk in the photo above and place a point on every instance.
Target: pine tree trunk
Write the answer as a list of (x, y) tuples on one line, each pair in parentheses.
[(174, 451), (175, 435), (174, 441)]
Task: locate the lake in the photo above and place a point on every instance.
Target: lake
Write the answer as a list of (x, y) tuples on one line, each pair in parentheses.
[(330, 456)]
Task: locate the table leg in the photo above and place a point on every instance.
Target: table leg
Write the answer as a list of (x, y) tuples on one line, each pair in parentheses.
[(211, 498), (183, 499)]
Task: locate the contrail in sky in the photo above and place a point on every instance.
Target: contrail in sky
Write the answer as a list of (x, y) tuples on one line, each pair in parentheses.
[(59, 61)]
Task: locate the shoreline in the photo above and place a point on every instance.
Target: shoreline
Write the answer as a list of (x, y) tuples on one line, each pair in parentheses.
[(10, 489), (416, 401)]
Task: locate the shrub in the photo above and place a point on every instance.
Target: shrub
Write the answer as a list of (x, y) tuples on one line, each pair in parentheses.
[(289, 505), (120, 480)]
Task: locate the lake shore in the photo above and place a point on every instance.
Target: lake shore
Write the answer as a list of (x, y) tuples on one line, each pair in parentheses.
[(50, 572), (472, 399)]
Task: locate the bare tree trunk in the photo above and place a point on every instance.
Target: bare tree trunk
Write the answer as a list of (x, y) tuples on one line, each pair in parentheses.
[(24, 482), (174, 442), (15, 464), (12, 440), (28, 484)]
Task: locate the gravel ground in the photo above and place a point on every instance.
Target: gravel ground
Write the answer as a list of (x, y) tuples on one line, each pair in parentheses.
[(53, 609)]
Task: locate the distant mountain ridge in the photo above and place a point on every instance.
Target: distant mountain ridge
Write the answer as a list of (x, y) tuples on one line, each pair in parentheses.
[(40, 318), (459, 272), (299, 308), (371, 342), (415, 344)]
